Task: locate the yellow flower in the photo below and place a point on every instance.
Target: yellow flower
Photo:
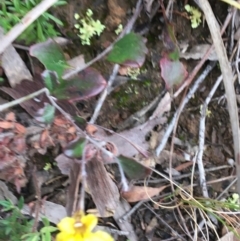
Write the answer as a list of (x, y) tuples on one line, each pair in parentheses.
[(79, 228)]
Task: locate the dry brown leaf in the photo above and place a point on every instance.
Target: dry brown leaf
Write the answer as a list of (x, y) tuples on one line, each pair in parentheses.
[(13, 65), (103, 190), (58, 121), (91, 129), (20, 129), (137, 193), (18, 145), (6, 125), (10, 117), (123, 70), (14, 174), (46, 140), (136, 135), (184, 166), (71, 130)]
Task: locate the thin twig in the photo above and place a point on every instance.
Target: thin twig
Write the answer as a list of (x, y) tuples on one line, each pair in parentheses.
[(202, 138), (227, 80), (28, 19), (212, 169), (181, 223), (38, 201), (226, 189), (171, 125), (81, 205), (104, 94), (25, 98)]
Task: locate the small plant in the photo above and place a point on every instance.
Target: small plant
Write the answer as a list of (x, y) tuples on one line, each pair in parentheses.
[(233, 202), (195, 15), (88, 27), (13, 11), (133, 73), (119, 29), (17, 227), (47, 166)]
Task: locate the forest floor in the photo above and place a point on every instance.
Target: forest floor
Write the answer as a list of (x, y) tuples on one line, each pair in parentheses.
[(190, 152)]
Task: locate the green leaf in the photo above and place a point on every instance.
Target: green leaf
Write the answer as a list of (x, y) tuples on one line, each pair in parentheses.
[(51, 56), (56, 20), (45, 221), (7, 204), (20, 203), (50, 79), (80, 121), (132, 168), (48, 229), (129, 50), (30, 237), (40, 32), (75, 148), (46, 115)]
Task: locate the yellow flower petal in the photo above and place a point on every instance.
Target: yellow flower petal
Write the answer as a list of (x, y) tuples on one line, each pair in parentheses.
[(98, 236), (103, 236), (66, 237), (66, 225), (89, 221)]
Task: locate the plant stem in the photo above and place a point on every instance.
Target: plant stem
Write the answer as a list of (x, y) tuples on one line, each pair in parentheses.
[(20, 100)]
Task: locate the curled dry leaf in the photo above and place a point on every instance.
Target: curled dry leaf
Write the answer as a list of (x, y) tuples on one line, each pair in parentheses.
[(103, 190), (14, 174), (20, 129), (91, 129), (137, 193), (18, 145), (46, 140), (6, 125), (71, 130)]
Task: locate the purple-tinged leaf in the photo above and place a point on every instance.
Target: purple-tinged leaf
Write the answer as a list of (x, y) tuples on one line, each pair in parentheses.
[(172, 72), (75, 148), (129, 51), (88, 83), (33, 105), (133, 168), (51, 56)]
